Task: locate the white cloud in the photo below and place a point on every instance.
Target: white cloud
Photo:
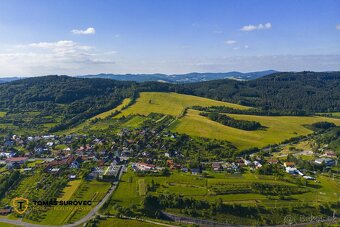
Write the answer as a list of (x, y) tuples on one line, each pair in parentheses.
[(251, 27), (61, 57), (337, 26), (230, 42), (246, 46), (87, 31)]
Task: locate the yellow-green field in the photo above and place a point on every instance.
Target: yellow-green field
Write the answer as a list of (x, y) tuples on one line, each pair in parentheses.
[(170, 103), (68, 191), (83, 190), (278, 128), (2, 114), (187, 185)]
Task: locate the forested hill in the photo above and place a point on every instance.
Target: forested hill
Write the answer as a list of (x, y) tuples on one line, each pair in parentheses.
[(293, 93), (68, 98)]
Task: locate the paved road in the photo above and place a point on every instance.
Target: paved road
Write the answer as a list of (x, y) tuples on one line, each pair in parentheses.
[(77, 223)]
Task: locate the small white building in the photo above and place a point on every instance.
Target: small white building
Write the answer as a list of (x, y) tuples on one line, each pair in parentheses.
[(291, 170)]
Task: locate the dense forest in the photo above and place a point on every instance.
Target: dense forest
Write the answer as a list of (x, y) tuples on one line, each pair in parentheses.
[(68, 98), (307, 92), (67, 101), (231, 122)]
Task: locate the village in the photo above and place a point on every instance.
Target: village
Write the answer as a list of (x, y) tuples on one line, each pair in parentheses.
[(147, 152), (134, 148)]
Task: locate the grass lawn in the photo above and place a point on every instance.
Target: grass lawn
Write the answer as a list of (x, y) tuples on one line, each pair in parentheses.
[(142, 187), (60, 147), (2, 114), (170, 103), (127, 192), (278, 128), (135, 122)]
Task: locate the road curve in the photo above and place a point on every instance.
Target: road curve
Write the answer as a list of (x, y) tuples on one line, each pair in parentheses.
[(19, 222)]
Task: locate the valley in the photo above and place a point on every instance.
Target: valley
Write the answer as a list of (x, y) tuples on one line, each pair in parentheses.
[(178, 155)]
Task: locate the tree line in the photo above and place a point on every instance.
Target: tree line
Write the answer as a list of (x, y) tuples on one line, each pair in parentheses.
[(231, 122)]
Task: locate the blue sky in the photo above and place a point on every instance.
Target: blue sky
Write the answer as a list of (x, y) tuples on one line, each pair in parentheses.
[(167, 36)]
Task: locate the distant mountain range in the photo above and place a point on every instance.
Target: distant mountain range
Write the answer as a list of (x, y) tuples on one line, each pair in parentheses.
[(182, 78), (173, 78)]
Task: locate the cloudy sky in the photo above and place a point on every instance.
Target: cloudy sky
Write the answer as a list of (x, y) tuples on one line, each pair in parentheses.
[(39, 37)]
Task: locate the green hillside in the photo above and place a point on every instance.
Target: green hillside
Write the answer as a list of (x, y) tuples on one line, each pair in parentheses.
[(170, 103), (278, 128)]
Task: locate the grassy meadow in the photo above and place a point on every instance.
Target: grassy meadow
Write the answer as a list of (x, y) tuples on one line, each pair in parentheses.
[(278, 128), (76, 190), (128, 191), (170, 103)]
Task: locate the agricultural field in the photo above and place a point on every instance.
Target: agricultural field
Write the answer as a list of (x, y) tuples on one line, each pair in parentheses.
[(135, 122), (170, 103), (233, 189), (76, 190), (69, 190), (278, 128), (25, 123)]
